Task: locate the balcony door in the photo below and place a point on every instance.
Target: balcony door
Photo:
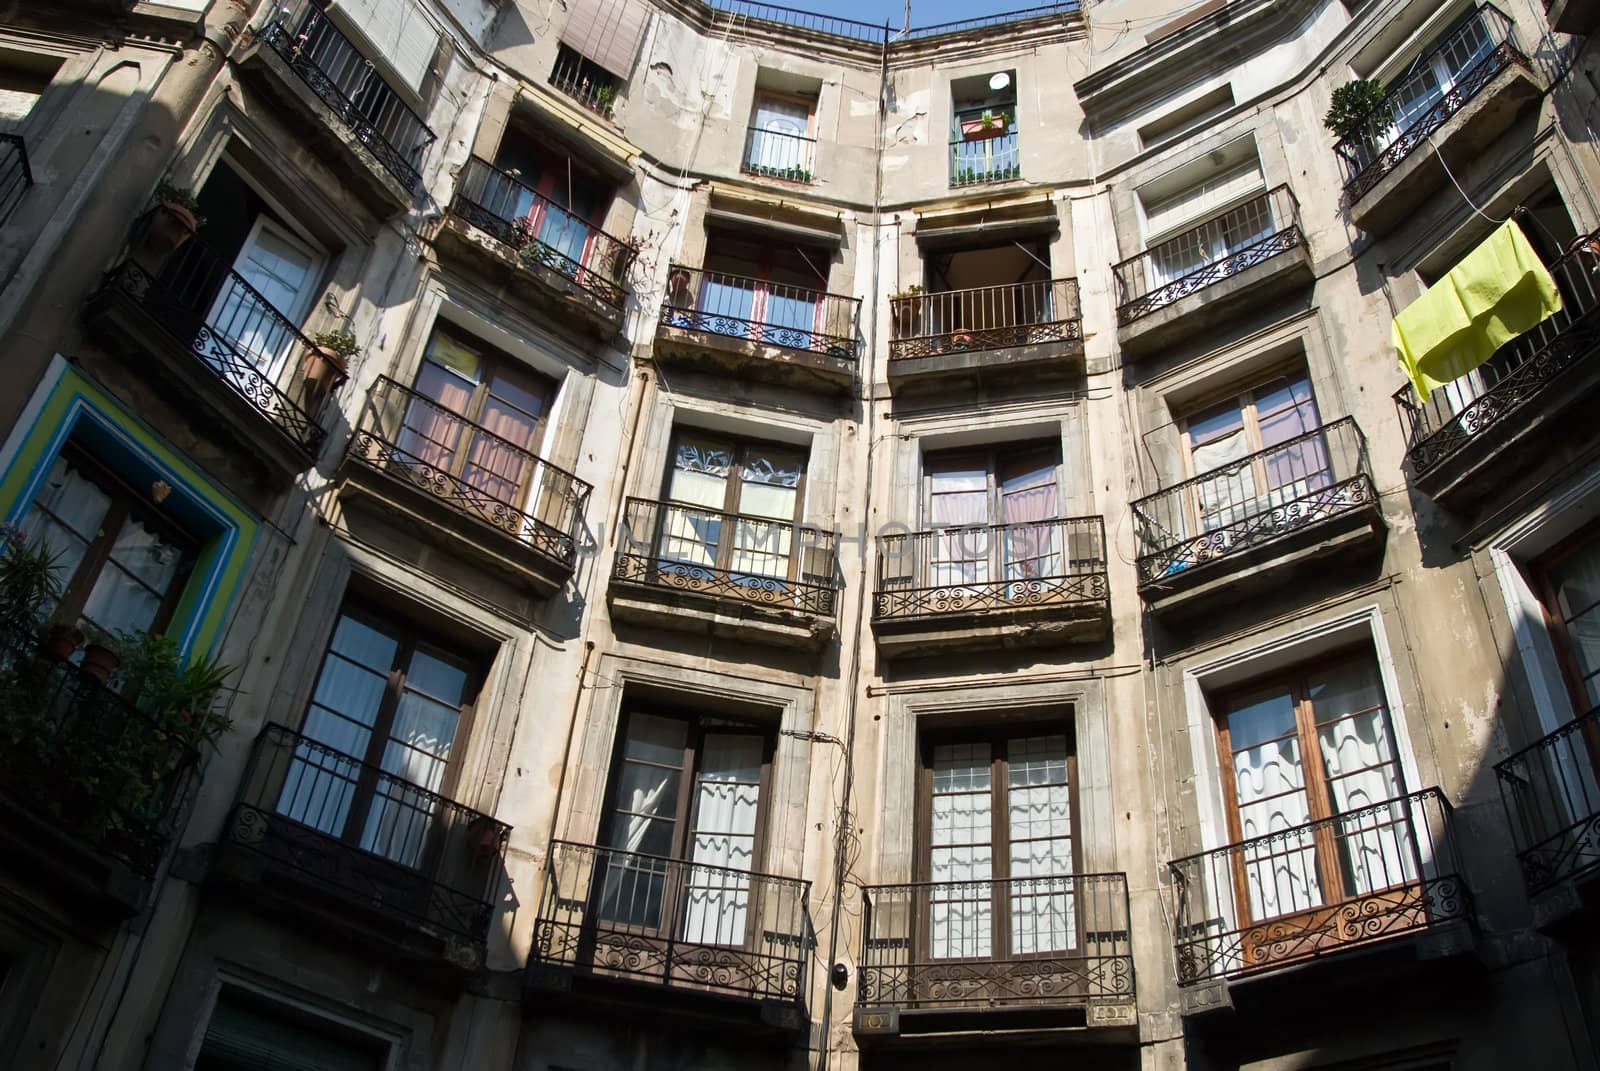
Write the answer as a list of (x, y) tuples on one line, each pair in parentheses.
[(731, 509), (773, 286), (1428, 80), (559, 202), (970, 495), (275, 271), (779, 130), (999, 829), (681, 835), (1219, 216), (1311, 768)]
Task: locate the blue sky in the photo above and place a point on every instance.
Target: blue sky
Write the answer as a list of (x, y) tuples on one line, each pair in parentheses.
[(923, 12)]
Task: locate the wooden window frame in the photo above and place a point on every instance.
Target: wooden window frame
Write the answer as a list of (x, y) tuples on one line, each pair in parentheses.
[(766, 263), (809, 100), (989, 458), (740, 447), (1540, 572)]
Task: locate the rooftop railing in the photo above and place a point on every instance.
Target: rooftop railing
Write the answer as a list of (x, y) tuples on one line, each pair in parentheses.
[(1365, 875), (543, 234), (15, 174), (766, 313), (483, 476), (733, 14), (760, 560), (1036, 941), (347, 82), (1438, 84), (1253, 501), (985, 318), (778, 154), (368, 837), (1552, 798), (674, 922), (1511, 385), (979, 569), (1218, 249)]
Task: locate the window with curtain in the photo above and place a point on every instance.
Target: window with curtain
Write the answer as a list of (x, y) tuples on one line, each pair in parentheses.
[(967, 493), (388, 698), (776, 283), (1252, 443), (477, 415), (122, 558), (683, 821), (1207, 222), (572, 199), (780, 129), (1312, 744), (1000, 845), (1568, 578), (731, 506)]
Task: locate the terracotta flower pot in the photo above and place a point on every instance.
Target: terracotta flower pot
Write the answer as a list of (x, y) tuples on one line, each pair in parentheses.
[(960, 340), (678, 284), (907, 315), (323, 369), (484, 838), (982, 129), (100, 662), (63, 641), (169, 227)]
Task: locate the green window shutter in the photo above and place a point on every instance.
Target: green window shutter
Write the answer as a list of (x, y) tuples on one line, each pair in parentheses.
[(242, 1037)]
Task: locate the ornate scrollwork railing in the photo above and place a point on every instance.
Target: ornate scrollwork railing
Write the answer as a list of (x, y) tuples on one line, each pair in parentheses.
[(767, 313), (1248, 234), (544, 235), (364, 836), (1515, 378), (1474, 50), (1551, 793), (980, 569), (15, 174), (1058, 940), (674, 922), (757, 560), (481, 475), (1364, 875), (985, 318), (347, 82), (1253, 501)]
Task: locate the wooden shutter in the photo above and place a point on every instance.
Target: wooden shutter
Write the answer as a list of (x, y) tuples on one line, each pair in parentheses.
[(607, 32), (398, 31)]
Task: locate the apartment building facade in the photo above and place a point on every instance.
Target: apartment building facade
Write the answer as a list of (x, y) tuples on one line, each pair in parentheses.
[(747, 538)]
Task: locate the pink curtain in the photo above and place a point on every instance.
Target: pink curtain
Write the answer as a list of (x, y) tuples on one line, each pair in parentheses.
[(432, 424)]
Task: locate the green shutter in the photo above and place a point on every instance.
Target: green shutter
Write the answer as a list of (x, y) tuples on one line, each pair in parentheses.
[(244, 1038)]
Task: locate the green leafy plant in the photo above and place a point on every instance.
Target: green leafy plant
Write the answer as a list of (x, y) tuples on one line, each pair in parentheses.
[(341, 342), (168, 193), (181, 698), (30, 584), (1354, 103), (909, 292)]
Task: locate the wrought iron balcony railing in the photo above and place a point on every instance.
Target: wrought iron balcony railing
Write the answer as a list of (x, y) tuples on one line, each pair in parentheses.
[(758, 560), (366, 837), (1440, 83), (15, 175), (586, 82), (207, 308), (766, 313), (1026, 565), (1268, 494), (973, 163), (1365, 875), (1511, 384), (84, 759), (674, 922), (985, 318), (347, 82), (1218, 249), (1063, 940), (481, 475), (541, 232), (1552, 798), (778, 154)]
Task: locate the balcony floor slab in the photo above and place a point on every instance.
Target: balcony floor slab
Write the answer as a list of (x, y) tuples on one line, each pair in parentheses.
[(676, 610), (1574, 16), (510, 276), (783, 366), (1028, 627), (987, 367)]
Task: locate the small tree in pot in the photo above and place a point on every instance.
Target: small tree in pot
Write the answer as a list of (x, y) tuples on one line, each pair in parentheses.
[(1354, 105)]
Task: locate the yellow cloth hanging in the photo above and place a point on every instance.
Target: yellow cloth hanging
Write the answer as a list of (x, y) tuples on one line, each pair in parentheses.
[(1497, 291)]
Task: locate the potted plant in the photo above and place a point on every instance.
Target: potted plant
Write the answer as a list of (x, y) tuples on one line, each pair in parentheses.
[(907, 306), (175, 220), (678, 285), (988, 125), (604, 98), (483, 835), (181, 697), (101, 661), (29, 585), (326, 363), (1354, 104)]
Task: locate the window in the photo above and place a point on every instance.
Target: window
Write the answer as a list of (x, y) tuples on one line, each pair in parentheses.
[(598, 45), (391, 702), (551, 197), (712, 477), (123, 559), (1429, 79), (1208, 222), (476, 415), (685, 787), (983, 134), (24, 76), (1313, 744), (1568, 577), (1255, 444), (246, 1034), (1187, 117), (764, 285), (587, 83), (998, 820), (966, 492), (780, 143)]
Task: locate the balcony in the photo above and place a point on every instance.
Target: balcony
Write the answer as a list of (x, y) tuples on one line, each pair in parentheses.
[(1552, 799), (1525, 415), (1370, 876), (320, 837), (92, 790), (214, 346), (355, 120), (1022, 330), (673, 937), (1026, 584), (1187, 285), (1050, 956), (585, 82), (459, 487), (520, 235), (753, 579), (15, 175), (778, 333), (778, 154), (1457, 99), (985, 161), (1254, 524)]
